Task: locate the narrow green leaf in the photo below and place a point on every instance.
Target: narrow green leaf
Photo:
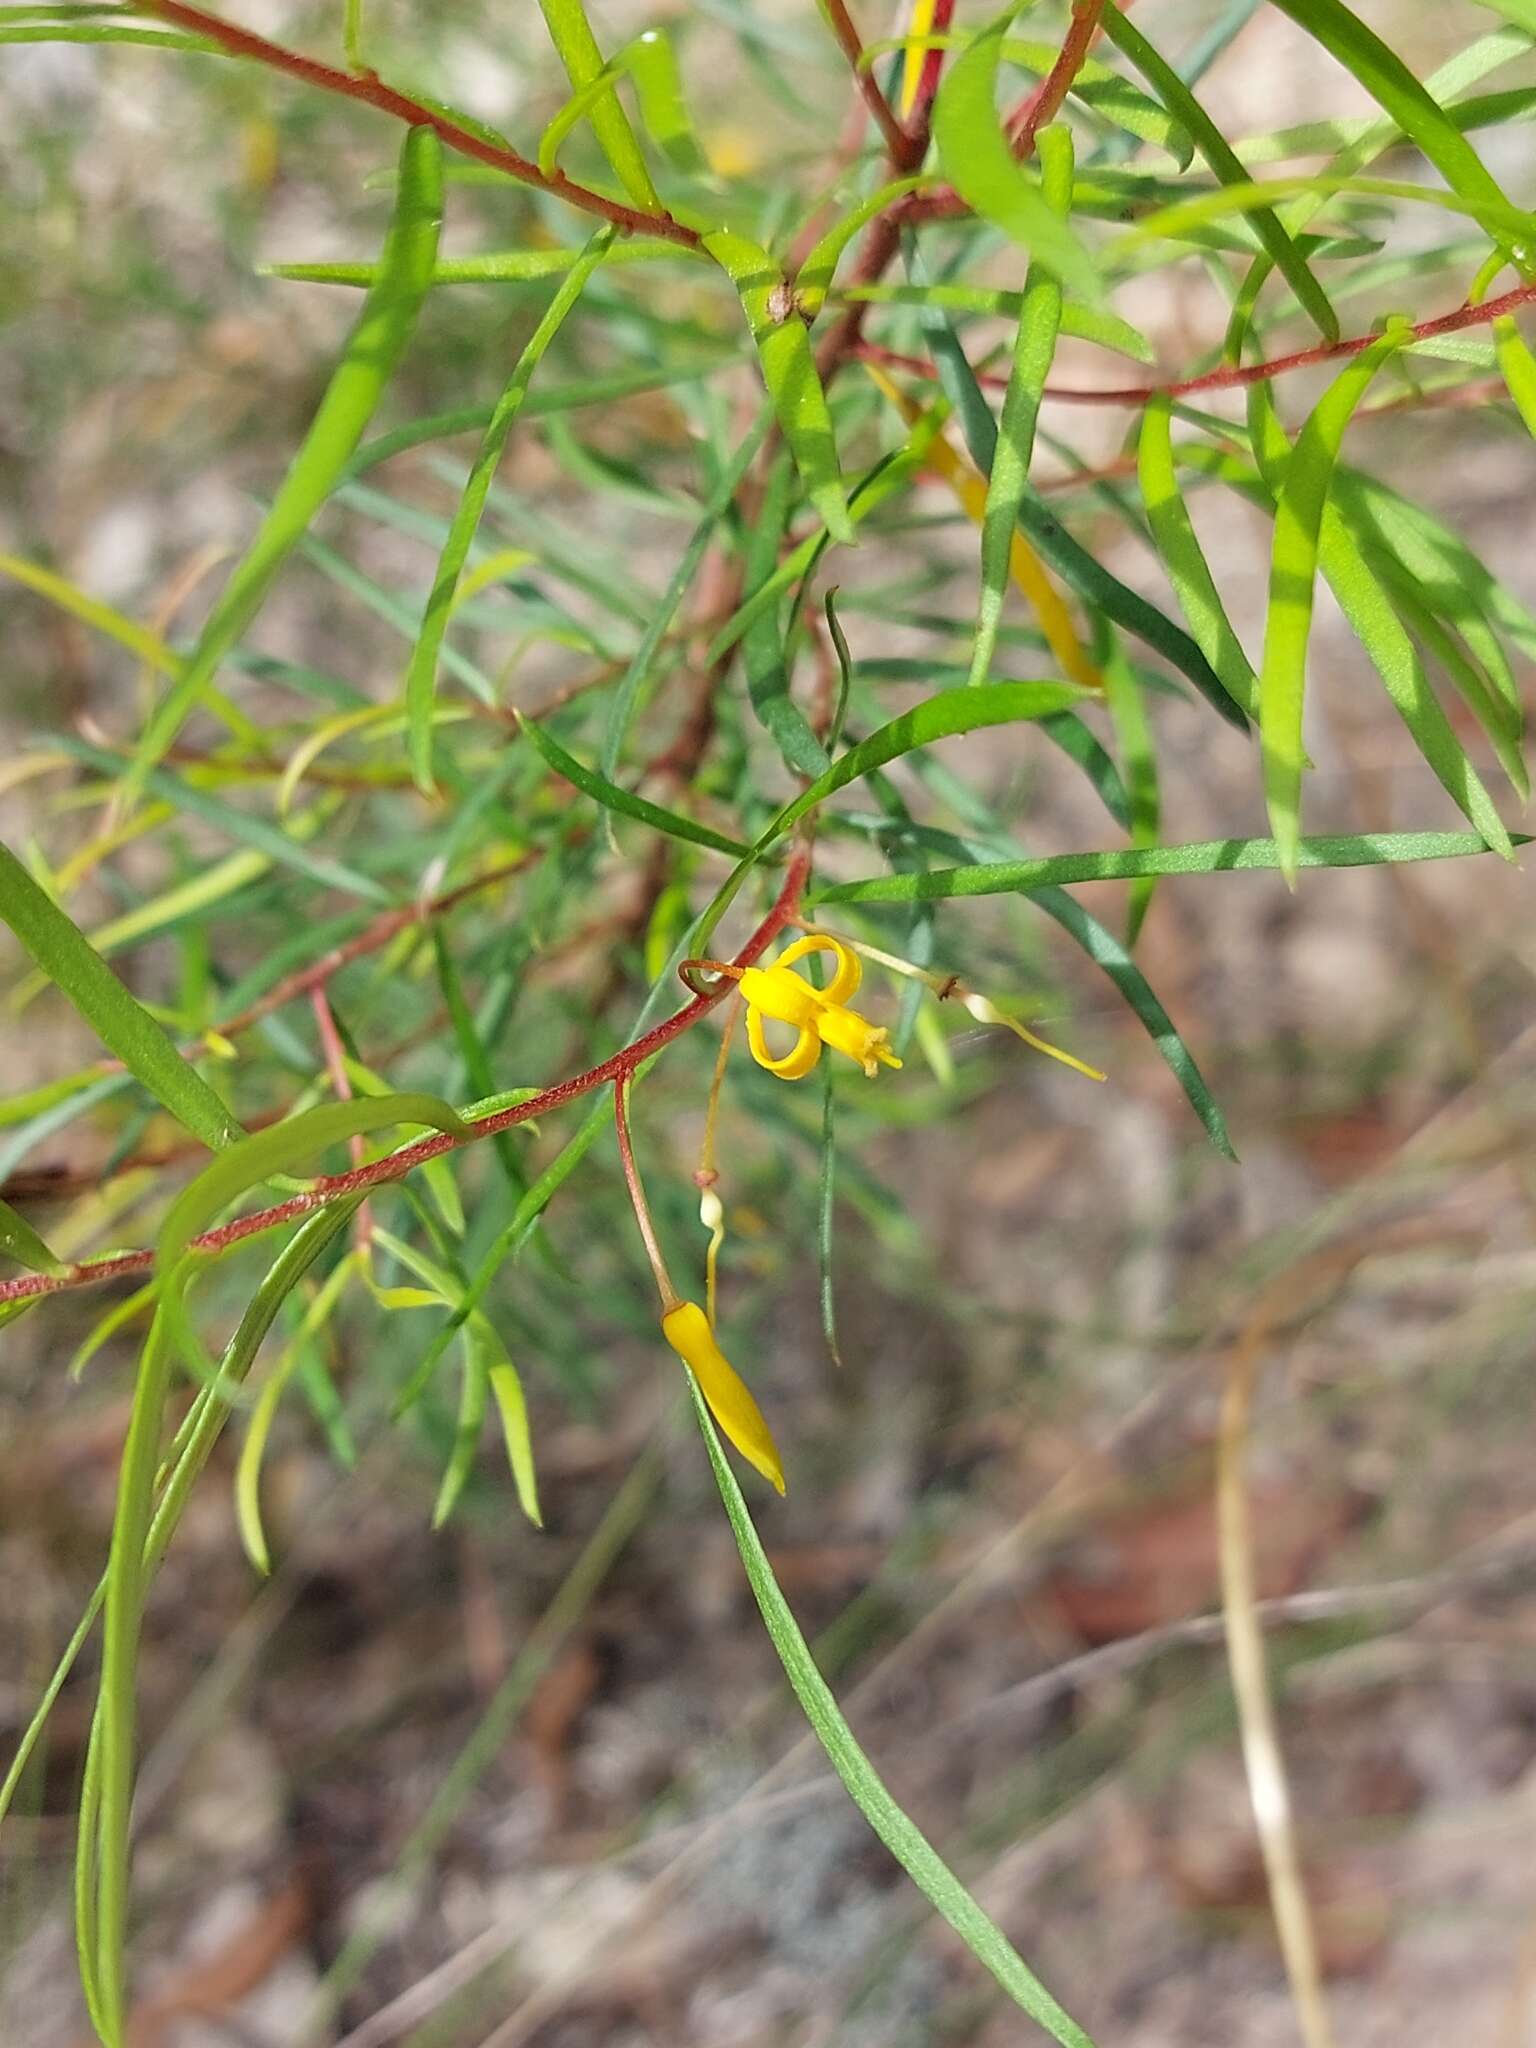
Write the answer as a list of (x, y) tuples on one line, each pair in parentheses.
[(474, 1398), (1501, 727), (1099, 589), (140, 1532), (767, 651), (844, 669), (21, 1243), (1122, 694), (1381, 633), (61, 952), (571, 34), (1218, 153), (1292, 582), (1393, 86), (1184, 559), (1075, 739), (512, 1408), (1082, 323), (357, 384), (956, 711), (977, 161), (1107, 953), (270, 1394), (896, 1830), (421, 674), (547, 400), (625, 801), (1034, 350), (285, 849), (814, 279), (91, 611), (664, 611), (1518, 368), (789, 371), (1126, 863), (499, 266), (109, 32)]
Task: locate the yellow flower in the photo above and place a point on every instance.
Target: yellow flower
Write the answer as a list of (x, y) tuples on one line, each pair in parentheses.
[(686, 1329), (820, 1016)]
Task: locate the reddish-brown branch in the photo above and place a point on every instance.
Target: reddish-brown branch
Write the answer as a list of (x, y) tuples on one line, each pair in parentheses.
[(1042, 105), (380, 1172), (899, 144), (1233, 376), (641, 1207), (1045, 102), (370, 90)]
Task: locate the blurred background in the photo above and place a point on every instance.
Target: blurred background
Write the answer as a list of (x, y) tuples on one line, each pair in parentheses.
[(497, 1785)]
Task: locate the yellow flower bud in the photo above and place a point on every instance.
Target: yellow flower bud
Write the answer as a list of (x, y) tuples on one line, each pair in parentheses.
[(686, 1329)]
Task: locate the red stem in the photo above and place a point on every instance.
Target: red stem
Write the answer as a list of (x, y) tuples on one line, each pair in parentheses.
[(329, 1187), (898, 142), (1232, 376), (1044, 103), (642, 1208), (368, 88)]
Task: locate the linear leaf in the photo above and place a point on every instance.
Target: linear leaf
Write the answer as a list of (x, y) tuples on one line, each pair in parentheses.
[(1082, 323), (571, 34), (635, 676), (1122, 693), (1292, 583), (1518, 367), (1094, 583), (982, 168), (1368, 608), (358, 382), (767, 648), (512, 1408), (61, 951), (1184, 559), (625, 801), (789, 371), (957, 711), (21, 1243), (285, 849), (1034, 350), (1393, 86), (901, 1836), (1218, 153), (421, 674), (1127, 863)]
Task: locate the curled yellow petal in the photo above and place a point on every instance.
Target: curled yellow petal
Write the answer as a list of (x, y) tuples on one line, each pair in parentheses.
[(686, 1329), (780, 994), (791, 1066), (845, 981)]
